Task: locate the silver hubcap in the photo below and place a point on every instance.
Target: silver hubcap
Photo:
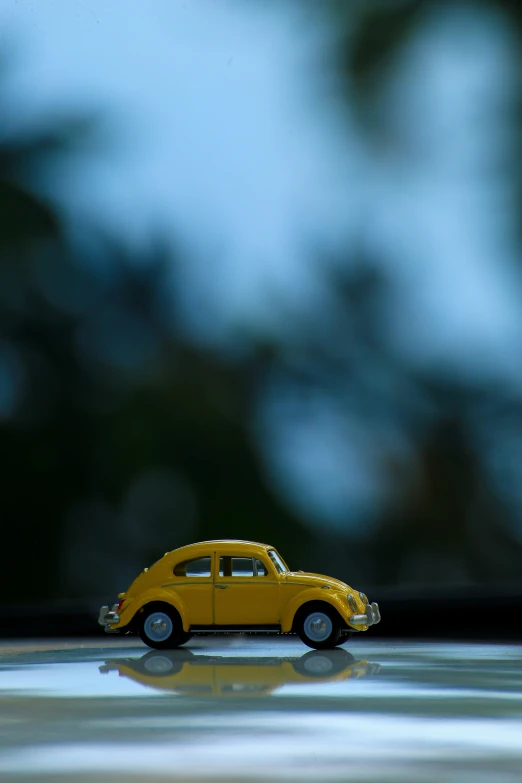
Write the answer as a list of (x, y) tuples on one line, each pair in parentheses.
[(158, 626), (318, 626)]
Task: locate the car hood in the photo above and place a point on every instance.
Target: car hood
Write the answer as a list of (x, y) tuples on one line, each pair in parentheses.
[(317, 580)]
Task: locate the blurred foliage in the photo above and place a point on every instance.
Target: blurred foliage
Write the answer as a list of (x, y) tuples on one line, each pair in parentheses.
[(447, 521), (119, 438), (374, 33), (444, 521)]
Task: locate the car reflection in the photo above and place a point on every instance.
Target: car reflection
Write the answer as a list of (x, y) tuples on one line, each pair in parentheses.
[(186, 673)]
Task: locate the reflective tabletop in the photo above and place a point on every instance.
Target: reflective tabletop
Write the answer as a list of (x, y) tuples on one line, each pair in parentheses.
[(259, 709)]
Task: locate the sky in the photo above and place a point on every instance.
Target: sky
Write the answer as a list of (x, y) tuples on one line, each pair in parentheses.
[(213, 132), (221, 131)]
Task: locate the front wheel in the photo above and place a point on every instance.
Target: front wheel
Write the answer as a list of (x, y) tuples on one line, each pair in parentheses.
[(161, 628), (319, 628)]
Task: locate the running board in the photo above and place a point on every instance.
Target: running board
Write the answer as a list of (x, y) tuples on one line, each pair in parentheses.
[(235, 629)]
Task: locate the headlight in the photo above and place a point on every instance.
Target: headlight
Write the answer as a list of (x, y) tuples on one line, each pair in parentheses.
[(363, 598), (352, 602)]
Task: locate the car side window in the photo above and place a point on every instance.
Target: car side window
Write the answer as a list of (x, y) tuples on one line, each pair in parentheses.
[(241, 566), (236, 566), (199, 567), (260, 568)]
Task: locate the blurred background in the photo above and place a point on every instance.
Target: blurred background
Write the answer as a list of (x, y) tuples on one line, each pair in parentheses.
[(260, 277)]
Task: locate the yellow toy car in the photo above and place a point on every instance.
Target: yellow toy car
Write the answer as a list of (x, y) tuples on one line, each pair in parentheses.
[(230, 586)]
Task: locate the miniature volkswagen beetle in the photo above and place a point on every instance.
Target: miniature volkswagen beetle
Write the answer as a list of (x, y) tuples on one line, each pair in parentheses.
[(230, 586)]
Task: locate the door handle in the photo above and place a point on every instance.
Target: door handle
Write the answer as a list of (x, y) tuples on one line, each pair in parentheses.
[(221, 587)]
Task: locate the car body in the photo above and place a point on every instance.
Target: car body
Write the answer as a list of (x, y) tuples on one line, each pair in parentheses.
[(230, 585), (186, 674)]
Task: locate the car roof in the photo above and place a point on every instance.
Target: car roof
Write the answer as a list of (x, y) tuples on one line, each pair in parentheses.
[(219, 544)]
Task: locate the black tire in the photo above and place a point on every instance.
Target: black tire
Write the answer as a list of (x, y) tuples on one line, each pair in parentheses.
[(319, 626), (160, 627), (323, 663)]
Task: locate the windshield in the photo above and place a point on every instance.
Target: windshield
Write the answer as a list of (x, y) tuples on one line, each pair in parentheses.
[(277, 561)]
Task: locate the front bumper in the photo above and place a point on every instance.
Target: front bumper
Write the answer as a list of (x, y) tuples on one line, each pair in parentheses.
[(108, 618), (372, 616)]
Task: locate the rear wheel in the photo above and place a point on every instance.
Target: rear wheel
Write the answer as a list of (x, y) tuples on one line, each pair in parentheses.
[(319, 627), (161, 628)]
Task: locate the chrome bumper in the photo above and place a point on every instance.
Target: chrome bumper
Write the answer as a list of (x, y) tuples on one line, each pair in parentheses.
[(107, 618), (372, 616)]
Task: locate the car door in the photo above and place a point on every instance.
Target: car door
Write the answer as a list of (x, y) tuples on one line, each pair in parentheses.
[(246, 591), (192, 580)]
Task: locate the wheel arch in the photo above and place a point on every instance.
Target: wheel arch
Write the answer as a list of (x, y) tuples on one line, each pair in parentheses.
[(133, 613), (312, 600)]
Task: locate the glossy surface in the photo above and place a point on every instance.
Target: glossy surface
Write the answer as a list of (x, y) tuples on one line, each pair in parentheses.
[(233, 583), (247, 710)]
